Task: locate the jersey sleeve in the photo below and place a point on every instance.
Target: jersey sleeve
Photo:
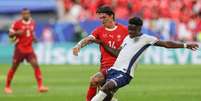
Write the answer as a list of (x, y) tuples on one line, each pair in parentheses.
[(95, 34), (151, 39), (14, 27)]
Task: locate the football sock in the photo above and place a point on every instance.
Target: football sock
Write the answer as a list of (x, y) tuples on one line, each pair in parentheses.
[(100, 96), (38, 76), (91, 93), (10, 75)]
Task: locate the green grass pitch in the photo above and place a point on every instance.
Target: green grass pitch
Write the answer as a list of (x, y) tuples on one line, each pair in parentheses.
[(69, 83)]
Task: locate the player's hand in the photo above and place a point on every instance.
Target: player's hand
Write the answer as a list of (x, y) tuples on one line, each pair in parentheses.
[(76, 50), (192, 46)]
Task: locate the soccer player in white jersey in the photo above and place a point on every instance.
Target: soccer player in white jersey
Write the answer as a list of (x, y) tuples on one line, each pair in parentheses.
[(122, 72)]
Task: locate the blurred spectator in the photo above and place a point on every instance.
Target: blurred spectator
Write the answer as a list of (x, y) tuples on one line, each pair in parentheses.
[(197, 30), (166, 19), (79, 34), (47, 35)]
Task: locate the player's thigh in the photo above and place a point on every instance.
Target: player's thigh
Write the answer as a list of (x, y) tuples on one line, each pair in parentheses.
[(18, 57), (118, 78), (97, 78), (109, 87), (32, 59)]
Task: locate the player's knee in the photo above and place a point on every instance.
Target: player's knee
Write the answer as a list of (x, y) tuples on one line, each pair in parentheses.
[(94, 81), (109, 87)]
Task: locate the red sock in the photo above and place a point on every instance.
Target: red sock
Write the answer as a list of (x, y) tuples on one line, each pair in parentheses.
[(9, 78), (38, 76), (91, 93)]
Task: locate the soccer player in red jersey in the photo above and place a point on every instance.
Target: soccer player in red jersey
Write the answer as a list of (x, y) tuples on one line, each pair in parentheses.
[(22, 34), (111, 34)]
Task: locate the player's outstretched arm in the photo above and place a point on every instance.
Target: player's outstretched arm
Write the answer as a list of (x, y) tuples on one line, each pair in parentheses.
[(85, 41), (172, 44)]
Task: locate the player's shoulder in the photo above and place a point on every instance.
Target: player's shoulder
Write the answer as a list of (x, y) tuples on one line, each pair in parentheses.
[(126, 38), (98, 29), (147, 36), (17, 21)]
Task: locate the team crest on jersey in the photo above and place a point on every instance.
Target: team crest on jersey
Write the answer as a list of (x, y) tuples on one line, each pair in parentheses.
[(111, 36), (118, 37)]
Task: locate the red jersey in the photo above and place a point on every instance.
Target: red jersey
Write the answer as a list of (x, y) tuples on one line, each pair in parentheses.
[(111, 37), (24, 40)]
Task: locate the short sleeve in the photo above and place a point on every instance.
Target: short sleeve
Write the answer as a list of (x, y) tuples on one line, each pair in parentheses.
[(14, 27), (95, 34)]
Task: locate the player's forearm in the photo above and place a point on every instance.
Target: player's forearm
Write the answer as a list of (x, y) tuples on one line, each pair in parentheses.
[(83, 42), (171, 44), (114, 52)]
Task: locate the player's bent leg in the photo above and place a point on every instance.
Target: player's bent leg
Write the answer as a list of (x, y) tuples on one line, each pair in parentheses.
[(95, 81), (107, 90), (10, 75), (110, 97), (38, 75)]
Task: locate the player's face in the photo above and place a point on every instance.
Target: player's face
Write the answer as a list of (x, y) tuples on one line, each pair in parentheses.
[(26, 15), (133, 30), (104, 18)]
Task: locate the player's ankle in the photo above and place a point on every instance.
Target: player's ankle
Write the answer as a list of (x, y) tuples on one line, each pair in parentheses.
[(7, 87)]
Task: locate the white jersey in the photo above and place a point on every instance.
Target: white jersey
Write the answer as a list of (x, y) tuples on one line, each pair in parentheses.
[(132, 48)]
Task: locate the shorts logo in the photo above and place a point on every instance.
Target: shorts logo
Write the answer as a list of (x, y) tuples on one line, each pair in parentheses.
[(119, 76)]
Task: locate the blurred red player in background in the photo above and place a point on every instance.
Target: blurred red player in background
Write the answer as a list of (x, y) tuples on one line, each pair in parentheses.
[(23, 35)]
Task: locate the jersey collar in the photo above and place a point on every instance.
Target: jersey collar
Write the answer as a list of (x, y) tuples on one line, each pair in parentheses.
[(26, 22), (111, 29)]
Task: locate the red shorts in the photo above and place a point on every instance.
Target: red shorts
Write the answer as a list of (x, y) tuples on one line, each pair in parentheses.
[(20, 57)]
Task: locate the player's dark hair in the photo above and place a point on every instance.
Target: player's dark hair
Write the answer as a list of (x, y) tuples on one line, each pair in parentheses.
[(136, 21), (25, 9), (107, 10)]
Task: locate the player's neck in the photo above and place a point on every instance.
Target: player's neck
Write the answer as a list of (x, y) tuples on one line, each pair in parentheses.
[(137, 35), (110, 25), (26, 21)]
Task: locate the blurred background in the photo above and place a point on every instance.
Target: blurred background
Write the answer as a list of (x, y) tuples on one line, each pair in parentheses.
[(62, 23)]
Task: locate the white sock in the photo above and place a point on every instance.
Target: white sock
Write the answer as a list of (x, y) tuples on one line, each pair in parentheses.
[(100, 96)]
